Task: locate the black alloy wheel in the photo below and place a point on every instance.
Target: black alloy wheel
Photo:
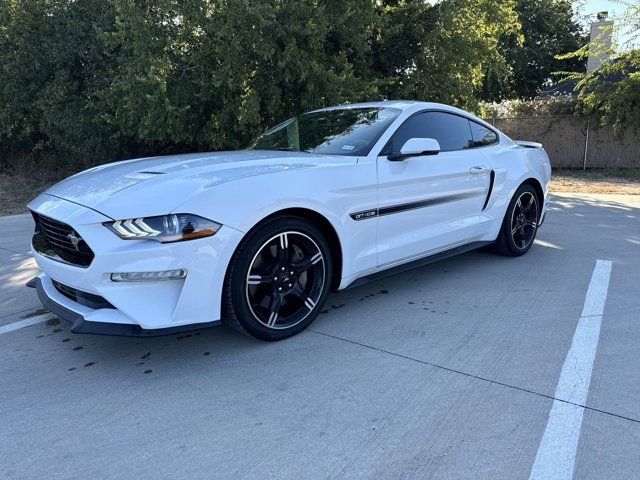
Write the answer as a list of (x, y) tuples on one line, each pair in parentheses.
[(520, 223), (278, 279), (285, 280), (524, 220)]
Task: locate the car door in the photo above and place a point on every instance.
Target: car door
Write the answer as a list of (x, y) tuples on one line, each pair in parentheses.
[(430, 203)]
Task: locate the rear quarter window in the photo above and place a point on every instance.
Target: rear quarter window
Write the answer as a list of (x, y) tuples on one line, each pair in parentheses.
[(482, 136)]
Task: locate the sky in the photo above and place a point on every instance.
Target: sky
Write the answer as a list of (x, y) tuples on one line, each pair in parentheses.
[(595, 6), (591, 7)]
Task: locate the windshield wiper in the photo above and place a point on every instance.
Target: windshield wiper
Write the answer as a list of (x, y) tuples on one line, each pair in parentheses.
[(287, 149)]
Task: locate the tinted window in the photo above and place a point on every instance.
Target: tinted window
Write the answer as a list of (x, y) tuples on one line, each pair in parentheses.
[(451, 131), (344, 131), (482, 135)]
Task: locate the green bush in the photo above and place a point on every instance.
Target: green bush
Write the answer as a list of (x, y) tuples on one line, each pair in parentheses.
[(612, 92), (88, 81), (544, 106)]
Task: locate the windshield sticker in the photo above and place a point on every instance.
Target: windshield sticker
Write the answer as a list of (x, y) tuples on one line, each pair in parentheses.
[(348, 147)]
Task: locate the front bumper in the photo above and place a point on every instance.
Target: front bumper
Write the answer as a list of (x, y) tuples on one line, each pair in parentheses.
[(79, 324), (139, 308)]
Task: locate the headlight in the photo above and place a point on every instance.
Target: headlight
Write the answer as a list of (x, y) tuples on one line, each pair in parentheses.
[(165, 229)]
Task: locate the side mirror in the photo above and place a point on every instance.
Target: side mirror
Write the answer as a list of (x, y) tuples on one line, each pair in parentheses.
[(415, 147)]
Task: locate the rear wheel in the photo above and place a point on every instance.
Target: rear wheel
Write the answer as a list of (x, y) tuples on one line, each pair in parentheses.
[(278, 279), (520, 223)]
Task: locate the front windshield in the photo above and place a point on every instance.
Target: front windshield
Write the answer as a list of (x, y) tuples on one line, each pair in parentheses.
[(345, 131)]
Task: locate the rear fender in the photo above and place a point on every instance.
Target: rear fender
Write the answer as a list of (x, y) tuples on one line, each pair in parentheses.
[(513, 166)]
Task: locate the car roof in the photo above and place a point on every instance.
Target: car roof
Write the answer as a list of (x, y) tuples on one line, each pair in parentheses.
[(409, 105), (400, 104)]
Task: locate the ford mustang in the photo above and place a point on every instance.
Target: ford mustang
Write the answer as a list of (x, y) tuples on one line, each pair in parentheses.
[(258, 238)]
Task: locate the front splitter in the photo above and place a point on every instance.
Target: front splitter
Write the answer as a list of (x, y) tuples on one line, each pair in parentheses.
[(80, 325)]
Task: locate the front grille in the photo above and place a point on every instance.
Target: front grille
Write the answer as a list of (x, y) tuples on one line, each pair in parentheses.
[(60, 240), (83, 298)]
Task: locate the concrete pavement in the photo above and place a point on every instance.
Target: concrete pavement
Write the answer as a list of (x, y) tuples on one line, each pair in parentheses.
[(447, 371)]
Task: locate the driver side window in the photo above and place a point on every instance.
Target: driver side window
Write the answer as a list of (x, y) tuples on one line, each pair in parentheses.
[(451, 131)]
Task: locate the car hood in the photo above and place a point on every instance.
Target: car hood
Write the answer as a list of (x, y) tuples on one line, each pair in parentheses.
[(159, 185)]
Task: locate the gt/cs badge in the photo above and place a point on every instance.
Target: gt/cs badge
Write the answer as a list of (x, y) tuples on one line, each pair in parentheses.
[(364, 215)]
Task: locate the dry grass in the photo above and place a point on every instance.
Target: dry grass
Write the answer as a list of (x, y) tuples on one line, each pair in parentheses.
[(16, 190), (612, 181)]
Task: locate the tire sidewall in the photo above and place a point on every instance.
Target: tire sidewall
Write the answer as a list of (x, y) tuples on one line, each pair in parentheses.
[(243, 258)]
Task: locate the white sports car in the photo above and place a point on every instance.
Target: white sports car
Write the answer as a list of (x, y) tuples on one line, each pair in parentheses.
[(257, 238)]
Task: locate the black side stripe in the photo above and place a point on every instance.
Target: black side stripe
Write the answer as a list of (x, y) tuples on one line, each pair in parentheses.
[(363, 215)]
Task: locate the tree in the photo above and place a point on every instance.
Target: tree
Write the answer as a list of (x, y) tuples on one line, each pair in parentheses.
[(53, 60), (88, 81), (549, 29), (612, 91), (441, 52)]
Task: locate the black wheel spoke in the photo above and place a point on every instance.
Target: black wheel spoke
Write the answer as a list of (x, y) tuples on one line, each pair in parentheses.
[(298, 291), (285, 280), (307, 301), (273, 309), (530, 203), (306, 263), (261, 279)]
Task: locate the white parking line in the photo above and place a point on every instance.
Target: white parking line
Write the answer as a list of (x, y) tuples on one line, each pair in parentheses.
[(27, 322), (557, 451)]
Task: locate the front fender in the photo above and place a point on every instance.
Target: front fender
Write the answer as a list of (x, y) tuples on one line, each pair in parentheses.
[(333, 191)]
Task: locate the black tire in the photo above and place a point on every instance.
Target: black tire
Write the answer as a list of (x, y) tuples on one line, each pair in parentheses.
[(257, 283), (520, 223)]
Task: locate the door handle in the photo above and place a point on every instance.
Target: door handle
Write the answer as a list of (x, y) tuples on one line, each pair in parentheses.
[(478, 170)]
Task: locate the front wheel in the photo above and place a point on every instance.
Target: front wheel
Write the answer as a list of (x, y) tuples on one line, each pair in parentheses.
[(520, 223), (278, 279)]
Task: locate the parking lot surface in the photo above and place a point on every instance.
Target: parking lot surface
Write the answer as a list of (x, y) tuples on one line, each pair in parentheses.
[(468, 368)]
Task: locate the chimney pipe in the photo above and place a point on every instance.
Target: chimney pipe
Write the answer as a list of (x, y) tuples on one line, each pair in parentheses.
[(600, 41)]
